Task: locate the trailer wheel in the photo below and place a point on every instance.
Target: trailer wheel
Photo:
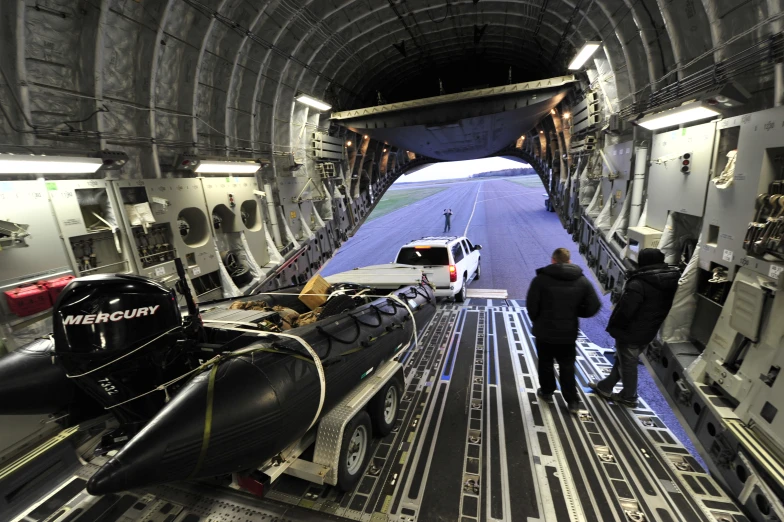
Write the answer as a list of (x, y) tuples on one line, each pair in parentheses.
[(354, 451), (383, 408)]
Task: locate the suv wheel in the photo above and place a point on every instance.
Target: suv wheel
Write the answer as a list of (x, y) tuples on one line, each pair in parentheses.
[(461, 296), (478, 270)]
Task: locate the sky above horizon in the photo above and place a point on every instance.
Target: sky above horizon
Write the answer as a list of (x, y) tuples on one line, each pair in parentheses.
[(461, 169)]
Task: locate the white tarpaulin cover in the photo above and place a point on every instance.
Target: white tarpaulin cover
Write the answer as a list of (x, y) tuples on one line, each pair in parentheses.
[(573, 178), (229, 288), (593, 207), (604, 220), (622, 221), (727, 176), (587, 190), (678, 227), (677, 326), (140, 214), (97, 197)]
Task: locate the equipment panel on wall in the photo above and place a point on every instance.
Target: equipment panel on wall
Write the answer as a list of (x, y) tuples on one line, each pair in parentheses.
[(744, 217), (31, 248), (237, 225), (680, 167), (295, 196), (87, 214), (166, 218)]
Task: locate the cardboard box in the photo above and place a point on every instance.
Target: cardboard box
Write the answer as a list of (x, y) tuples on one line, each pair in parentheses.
[(314, 293)]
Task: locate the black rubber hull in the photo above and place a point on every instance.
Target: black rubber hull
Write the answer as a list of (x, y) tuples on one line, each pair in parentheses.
[(260, 402), (30, 383)]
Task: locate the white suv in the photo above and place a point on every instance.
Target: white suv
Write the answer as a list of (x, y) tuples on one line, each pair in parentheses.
[(450, 263)]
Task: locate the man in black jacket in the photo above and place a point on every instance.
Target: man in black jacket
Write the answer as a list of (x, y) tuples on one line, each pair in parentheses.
[(644, 304), (558, 295)]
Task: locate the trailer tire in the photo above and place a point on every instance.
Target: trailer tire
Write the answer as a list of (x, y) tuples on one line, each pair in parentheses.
[(354, 451), (384, 406)]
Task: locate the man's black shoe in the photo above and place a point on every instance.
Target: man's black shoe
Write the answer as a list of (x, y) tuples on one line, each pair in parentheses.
[(546, 397), (595, 387), (625, 402)]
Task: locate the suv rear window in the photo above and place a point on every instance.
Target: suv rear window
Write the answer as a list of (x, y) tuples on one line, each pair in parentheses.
[(457, 252), (423, 256)]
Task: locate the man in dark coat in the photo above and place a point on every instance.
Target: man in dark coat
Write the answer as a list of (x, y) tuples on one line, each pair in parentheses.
[(644, 304), (558, 295)]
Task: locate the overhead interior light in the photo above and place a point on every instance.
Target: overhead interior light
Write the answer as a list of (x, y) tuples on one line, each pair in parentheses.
[(348, 143), (541, 132), (676, 116), (566, 115), (366, 136), (552, 111), (310, 101), (586, 51), (385, 150), (227, 167), (15, 164)]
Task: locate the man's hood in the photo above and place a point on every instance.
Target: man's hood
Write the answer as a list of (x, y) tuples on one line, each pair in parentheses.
[(662, 277), (562, 271)]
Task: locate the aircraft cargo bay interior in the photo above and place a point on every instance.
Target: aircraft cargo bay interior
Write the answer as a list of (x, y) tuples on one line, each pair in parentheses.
[(391, 261)]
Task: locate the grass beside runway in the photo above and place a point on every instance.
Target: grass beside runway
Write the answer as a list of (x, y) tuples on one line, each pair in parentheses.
[(395, 199), (532, 181)]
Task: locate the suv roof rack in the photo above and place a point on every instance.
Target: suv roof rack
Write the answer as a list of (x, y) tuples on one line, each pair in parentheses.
[(437, 238)]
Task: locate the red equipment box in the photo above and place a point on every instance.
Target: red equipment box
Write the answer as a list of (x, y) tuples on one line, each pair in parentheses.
[(55, 286), (28, 299)]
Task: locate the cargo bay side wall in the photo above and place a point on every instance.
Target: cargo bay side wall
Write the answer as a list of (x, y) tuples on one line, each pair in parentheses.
[(283, 224), (717, 356)]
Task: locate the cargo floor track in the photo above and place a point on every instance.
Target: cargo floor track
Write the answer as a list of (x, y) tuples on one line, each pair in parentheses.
[(472, 443)]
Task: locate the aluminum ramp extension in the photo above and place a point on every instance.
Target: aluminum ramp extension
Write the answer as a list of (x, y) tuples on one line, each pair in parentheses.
[(472, 443), (485, 293)]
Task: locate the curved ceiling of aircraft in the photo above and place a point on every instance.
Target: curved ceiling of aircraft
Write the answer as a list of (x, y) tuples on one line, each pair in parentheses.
[(157, 78)]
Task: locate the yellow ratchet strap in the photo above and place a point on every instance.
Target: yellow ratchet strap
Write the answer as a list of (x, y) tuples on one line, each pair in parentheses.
[(205, 442)]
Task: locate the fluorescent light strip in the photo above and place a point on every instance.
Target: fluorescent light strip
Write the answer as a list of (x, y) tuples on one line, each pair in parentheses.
[(677, 116), (586, 52), (13, 164), (227, 167), (313, 102)]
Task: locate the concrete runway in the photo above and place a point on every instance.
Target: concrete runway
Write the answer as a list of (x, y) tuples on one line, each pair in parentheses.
[(517, 236), (508, 219)]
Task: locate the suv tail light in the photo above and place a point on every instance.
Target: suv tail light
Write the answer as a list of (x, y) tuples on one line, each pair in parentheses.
[(452, 273)]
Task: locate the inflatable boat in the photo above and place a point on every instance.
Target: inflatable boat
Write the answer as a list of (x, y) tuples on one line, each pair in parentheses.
[(204, 392)]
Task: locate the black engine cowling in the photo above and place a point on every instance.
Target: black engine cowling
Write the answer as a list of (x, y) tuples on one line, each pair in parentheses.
[(119, 336)]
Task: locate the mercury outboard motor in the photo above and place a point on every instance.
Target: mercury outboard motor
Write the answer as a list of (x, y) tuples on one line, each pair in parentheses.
[(118, 337)]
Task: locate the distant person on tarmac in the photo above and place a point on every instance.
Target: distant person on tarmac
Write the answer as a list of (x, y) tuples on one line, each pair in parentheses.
[(558, 295), (447, 219), (644, 304)]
